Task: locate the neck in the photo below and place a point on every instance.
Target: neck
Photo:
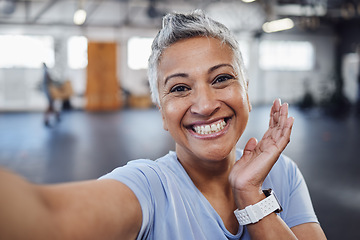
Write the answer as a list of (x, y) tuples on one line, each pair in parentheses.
[(209, 176)]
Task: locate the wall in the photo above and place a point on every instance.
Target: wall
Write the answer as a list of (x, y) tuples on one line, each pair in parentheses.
[(290, 86), (134, 81), (28, 81), (265, 86), (19, 87)]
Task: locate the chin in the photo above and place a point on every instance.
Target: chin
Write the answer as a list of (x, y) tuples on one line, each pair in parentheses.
[(217, 154)]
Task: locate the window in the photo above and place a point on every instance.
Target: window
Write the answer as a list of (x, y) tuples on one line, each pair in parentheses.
[(22, 51), (77, 52), (286, 55), (139, 50)]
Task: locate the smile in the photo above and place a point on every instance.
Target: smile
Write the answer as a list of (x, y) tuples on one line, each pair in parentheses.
[(210, 128)]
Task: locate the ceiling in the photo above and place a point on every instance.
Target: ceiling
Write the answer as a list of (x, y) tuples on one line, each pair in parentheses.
[(147, 13)]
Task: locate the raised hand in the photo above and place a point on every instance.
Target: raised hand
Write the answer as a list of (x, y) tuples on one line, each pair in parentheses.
[(249, 172)]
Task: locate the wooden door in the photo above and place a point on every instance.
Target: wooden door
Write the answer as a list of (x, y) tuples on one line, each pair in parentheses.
[(102, 88)]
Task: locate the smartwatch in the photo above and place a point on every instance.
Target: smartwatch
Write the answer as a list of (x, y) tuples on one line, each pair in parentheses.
[(256, 212)]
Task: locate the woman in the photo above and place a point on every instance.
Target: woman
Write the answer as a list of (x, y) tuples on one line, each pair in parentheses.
[(197, 81)]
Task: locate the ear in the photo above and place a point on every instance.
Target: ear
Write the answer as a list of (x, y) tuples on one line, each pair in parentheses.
[(249, 104), (163, 119), (247, 96)]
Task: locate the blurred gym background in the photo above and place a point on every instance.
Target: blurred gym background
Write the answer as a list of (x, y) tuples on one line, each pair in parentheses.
[(305, 52)]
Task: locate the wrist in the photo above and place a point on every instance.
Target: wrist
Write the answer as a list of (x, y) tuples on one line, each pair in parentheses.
[(254, 213), (246, 198)]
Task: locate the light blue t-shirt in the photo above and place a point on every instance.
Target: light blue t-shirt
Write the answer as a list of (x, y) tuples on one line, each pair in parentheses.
[(173, 208)]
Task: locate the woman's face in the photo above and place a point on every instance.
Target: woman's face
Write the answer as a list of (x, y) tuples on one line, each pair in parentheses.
[(204, 104)]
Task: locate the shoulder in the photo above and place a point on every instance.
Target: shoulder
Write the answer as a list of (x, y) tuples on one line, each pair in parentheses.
[(285, 164), (158, 186), (284, 175), (286, 179), (144, 172)]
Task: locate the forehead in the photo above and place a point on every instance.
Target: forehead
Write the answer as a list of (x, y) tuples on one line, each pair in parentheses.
[(194, 54)]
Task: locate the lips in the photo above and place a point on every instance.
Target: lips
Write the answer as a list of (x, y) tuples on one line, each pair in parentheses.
[(206, 129)]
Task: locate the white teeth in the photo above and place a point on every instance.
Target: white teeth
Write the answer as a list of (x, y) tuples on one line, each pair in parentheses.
[(208, 129)]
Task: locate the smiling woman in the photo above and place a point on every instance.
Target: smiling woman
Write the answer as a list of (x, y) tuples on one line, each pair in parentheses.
[(206, 189), (201, 97)]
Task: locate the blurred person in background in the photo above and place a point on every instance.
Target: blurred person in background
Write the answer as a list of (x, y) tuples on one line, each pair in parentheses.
[(48, 85), (55, 91)]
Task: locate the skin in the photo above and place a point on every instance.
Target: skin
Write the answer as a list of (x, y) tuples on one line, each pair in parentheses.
[(105, 209), (190, 94)]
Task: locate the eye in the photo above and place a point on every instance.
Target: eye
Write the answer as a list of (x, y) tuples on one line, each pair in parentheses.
[(222, 78), (179, 88)]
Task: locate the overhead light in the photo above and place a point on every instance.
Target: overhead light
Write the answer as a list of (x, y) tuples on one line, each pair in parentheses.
[(79, 16), (248, 1), (278, 25)]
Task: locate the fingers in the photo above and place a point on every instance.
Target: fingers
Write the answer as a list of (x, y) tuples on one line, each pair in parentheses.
[(280, 124), (250, 145), (284, 137), (274, 112), (285, 122), (283, 115), (249, 149), (278, 114)]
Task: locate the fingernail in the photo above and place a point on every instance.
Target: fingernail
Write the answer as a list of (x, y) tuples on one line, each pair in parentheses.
[(277, 99)]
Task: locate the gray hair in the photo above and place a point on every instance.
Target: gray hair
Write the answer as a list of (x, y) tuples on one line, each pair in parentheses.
[(177, 26)]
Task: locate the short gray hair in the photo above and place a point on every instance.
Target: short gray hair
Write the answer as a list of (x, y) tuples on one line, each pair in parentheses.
[(177, 26)]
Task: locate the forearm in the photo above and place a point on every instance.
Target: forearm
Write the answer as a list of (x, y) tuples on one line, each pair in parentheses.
[(103, 209), (249, 172), (23, 215), (270, 227)]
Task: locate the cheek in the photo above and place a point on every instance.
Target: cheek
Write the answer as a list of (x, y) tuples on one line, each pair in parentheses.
[(172, 113), (236, 97)]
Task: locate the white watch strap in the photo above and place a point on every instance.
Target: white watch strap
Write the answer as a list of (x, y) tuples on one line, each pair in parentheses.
[(254, 213)]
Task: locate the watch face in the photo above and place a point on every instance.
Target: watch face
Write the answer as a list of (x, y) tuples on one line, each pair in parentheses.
[(269, 192), (279, 210)]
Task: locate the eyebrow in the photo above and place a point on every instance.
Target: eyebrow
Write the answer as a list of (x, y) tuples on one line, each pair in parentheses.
[(185, 75), (220, 66)]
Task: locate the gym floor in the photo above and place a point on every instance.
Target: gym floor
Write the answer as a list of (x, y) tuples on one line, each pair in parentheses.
[(87, 145)]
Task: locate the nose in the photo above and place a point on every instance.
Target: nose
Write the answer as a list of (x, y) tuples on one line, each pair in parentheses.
[(205, 102)]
